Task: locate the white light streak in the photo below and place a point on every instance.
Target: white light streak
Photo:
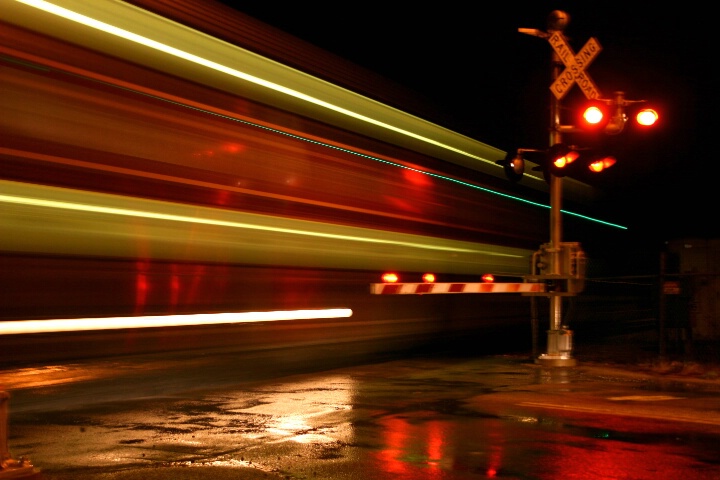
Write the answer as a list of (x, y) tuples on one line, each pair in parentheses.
[(114, 323)]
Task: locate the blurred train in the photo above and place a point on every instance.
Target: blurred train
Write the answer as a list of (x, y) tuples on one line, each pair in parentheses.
[(163, 160)]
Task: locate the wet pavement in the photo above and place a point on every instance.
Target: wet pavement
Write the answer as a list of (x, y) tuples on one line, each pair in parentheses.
[(413, 418)]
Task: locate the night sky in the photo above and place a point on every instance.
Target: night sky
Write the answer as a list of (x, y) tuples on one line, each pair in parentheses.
[(492, 84)]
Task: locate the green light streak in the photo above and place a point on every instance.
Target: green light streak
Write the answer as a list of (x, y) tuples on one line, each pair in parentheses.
[(387, 162)]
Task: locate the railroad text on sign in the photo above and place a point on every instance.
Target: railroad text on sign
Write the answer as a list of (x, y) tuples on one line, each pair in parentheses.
[(575, 65)]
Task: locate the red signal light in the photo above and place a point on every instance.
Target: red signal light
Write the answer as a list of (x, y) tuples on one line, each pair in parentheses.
[(601, 164), (647, 117), (594, 116), (429, 278), (390, 278), (558, 158), (564, 159), (488, 278)]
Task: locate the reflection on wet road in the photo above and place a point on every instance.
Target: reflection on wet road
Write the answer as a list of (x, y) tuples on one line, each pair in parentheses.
[(495, 417)]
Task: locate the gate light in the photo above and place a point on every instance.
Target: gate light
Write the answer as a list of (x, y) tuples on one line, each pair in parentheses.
[(390, 278), (429, 278)]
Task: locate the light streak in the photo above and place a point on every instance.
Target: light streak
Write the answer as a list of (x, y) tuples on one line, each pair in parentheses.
[(225, 223), (218, 67), (159, 46), (154, 321)]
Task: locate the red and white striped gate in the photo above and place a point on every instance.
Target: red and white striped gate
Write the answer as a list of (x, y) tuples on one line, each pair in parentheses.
[(428, 288)]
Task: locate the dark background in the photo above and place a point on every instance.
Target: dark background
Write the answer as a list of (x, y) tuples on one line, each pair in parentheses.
[(490, 82)]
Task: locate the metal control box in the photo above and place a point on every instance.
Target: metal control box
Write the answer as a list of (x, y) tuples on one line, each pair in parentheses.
[(571, 265)]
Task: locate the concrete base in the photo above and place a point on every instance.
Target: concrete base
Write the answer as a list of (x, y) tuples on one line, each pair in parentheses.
[(556, 361), (9, 467), (19, 471)]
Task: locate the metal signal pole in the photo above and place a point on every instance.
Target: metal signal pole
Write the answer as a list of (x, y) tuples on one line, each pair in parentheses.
[(559, 344)]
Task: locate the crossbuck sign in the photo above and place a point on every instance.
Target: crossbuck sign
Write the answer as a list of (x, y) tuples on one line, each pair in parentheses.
[(575, 65)]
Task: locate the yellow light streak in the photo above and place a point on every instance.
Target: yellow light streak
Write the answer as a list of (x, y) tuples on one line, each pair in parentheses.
[(159, 46), (226, 223), (114, 323)]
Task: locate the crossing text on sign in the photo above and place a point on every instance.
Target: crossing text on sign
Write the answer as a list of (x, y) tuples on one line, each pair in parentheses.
[(575, 65)]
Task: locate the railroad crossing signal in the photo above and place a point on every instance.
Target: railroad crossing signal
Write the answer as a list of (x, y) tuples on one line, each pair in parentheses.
[(575, 65)]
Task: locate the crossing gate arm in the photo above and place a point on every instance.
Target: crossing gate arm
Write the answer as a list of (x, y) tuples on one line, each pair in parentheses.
[(428, 288)]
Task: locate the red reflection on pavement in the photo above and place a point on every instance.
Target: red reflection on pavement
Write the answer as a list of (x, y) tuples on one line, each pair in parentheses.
[(396, 437), (417, 447), (417, 451), (573, 458)]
